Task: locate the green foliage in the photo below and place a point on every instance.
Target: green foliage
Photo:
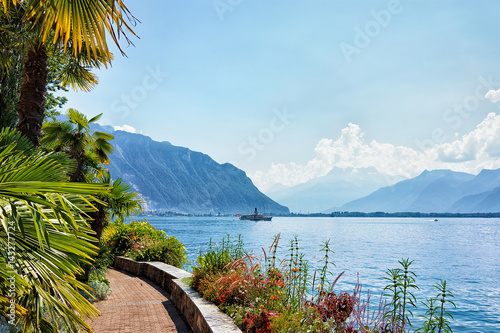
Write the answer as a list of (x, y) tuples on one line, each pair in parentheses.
[(99, 267), (141, 241), (297, 280), (53, 103), (100, 287), (122, 203), (116, 237), (15, 37), (74, 137), (166, 249), (90, 151), (273, 296), (323, 284), (436, 315), (12, 32), (216, 258), (9, 96), (69, 63), (269, 296), (45, 229), (399, 290)]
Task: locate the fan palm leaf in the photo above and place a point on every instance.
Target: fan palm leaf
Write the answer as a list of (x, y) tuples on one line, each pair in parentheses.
[(82, 25), (80, 28), (44, 237), (73, 137)]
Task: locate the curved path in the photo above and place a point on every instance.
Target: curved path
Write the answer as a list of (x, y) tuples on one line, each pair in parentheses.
[(136, 305)]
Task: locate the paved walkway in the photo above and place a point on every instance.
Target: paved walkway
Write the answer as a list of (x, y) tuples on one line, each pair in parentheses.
[(136, 305)]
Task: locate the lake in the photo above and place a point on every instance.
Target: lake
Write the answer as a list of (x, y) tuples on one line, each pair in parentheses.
[(465, 252)]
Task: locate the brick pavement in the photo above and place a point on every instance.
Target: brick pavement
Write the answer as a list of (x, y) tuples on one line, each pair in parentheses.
[(136, 305)]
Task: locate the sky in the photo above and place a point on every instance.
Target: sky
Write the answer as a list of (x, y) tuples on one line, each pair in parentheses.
[(288, 89)]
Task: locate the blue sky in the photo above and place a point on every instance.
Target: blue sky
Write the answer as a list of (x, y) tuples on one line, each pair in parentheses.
[(286, 90)]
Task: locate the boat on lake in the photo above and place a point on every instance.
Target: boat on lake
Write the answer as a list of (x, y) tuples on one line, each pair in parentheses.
[(256, 217)]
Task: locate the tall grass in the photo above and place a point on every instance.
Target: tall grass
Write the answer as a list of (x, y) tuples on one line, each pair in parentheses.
[(270, 294)]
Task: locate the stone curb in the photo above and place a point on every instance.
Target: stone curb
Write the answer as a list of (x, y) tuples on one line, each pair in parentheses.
[(201, 315)]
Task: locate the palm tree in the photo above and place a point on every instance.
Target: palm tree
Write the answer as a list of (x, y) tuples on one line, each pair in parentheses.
[(74, 138), (89, 150), (120, 203), (45, 237), (79, 26), (64, 69)]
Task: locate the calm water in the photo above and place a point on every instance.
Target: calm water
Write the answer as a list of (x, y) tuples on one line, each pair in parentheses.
[(465, 252)]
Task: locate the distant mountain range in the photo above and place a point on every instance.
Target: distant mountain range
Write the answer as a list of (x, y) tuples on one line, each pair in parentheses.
[(332, 191), (437, 191), (177, 179)]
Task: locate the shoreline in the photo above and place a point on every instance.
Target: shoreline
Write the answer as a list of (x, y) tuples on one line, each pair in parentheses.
[(336, 214)]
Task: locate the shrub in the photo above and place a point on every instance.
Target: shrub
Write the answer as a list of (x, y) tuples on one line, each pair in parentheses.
[(141, 241), (99, 266), (216, 258), (100, 287), (258, 323)]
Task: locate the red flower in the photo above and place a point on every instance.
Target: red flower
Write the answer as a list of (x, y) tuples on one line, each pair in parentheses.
[(257, 323)]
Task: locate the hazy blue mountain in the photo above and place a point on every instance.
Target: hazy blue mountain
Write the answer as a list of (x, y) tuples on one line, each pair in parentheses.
[(331, 191), (177, 179), (491, 203), (485, 181), (484, 202), (435, 191), (484, 198)]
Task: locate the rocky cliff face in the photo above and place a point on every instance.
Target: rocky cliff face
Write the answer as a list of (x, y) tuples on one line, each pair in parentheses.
[(177, 179)]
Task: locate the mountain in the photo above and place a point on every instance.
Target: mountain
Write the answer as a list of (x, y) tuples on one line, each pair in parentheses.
[(177, 179), (486, 196), (331, 191), (437, 191), (485, 202)]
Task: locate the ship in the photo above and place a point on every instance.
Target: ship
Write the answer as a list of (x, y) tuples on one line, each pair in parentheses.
[(256, 217)]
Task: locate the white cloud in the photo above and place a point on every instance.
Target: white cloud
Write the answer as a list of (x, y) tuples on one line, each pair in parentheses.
[(493, 95), (481, 144), (125, 128), (474, 151)]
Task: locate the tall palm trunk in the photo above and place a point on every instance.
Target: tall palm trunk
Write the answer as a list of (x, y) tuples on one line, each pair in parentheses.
[(77, 175), (97, 223), (30, 109)]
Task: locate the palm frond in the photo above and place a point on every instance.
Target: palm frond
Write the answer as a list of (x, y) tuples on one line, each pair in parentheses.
[(86, 23), (96, 118), (123, 202), (77, 76), (45, 220), (101, 135), (9, 136), (79, 119)]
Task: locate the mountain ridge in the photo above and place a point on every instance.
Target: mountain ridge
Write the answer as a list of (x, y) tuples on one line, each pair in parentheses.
[(331, 191), (177, 179), (436, 191)]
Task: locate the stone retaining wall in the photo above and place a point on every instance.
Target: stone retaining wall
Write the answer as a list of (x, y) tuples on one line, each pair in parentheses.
[(202, 316)]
